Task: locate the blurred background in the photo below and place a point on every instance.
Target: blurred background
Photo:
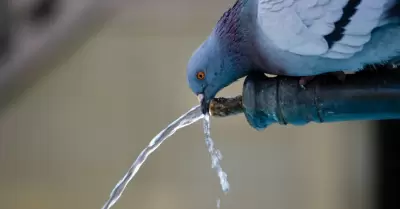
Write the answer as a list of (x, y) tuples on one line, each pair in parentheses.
[(86, 84)]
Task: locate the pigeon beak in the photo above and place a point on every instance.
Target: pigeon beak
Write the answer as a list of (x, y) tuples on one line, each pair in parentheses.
[(205, 105)]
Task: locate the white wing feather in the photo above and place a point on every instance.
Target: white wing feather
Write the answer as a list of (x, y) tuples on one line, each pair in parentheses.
[(299, 26)]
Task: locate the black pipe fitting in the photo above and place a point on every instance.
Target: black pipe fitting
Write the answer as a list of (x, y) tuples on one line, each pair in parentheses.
[(366, 95)]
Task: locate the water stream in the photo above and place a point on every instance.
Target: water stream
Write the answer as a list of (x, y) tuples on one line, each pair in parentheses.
[(216, 155), (192, 116)]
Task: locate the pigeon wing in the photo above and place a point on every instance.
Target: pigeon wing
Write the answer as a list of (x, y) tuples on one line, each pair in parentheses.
[(334, 29)]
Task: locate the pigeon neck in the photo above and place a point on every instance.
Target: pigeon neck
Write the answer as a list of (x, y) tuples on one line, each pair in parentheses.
[(229, 23)]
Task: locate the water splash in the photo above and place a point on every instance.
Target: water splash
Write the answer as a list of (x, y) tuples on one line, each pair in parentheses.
[(188, 118), (192, 116), (216, 155)]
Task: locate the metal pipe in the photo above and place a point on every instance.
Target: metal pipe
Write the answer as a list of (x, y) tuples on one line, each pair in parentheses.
[(367, 95)]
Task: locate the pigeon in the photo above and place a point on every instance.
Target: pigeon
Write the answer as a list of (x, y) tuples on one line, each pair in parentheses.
[(302, 38)]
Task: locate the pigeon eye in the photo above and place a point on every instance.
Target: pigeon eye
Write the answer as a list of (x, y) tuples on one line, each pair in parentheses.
[(200, 75)]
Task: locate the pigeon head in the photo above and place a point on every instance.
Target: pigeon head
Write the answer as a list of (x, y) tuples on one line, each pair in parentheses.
[(211, 68)]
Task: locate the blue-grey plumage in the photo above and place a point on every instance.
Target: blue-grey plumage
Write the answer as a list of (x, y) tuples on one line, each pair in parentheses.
[(295, 38)]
